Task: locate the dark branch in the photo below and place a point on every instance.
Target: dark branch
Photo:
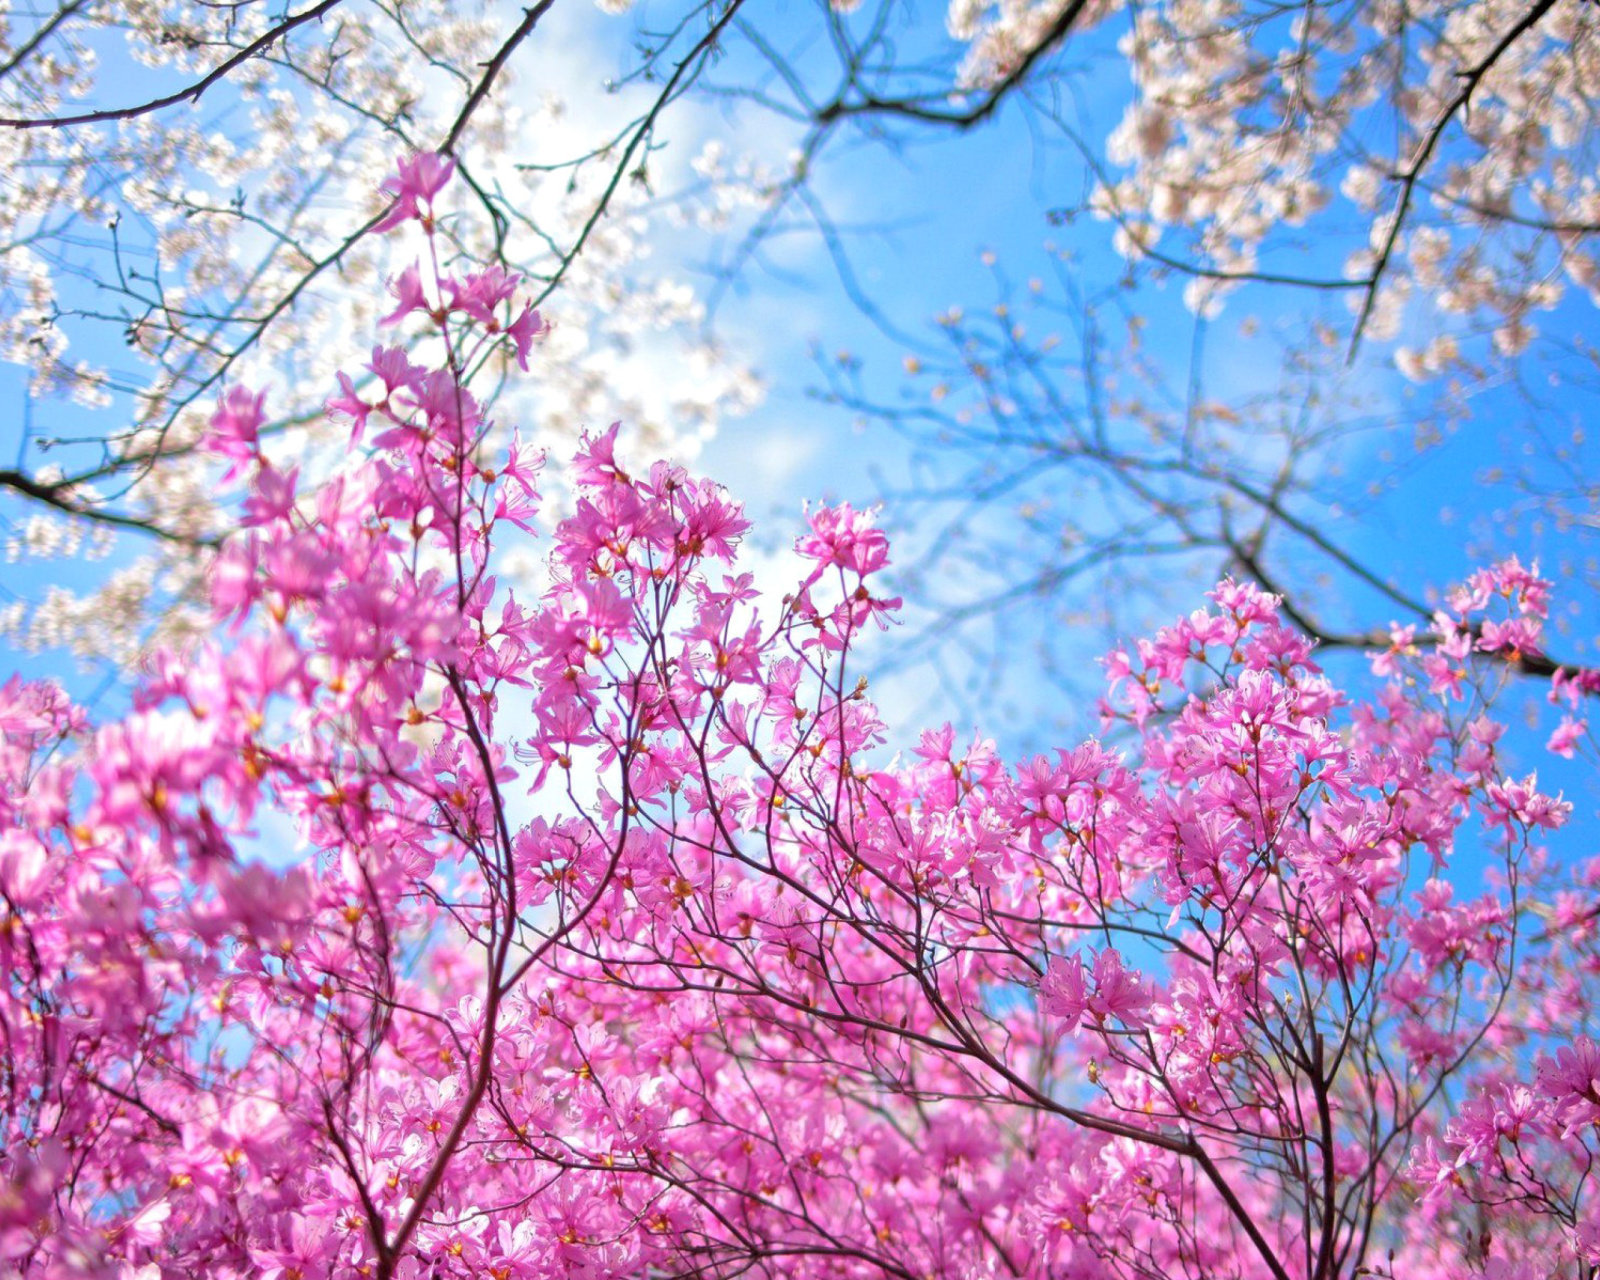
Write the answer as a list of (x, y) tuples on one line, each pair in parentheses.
[(190, 94), (59, 496), (27, 47), (912, 108), (1470, 79)]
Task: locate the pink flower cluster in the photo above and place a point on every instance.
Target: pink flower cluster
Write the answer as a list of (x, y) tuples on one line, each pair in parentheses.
[(411, 930)]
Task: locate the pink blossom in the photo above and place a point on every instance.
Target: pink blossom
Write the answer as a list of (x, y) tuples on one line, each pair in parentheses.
[(236, 427), (412, 926), (419, 180), (1568, 734)]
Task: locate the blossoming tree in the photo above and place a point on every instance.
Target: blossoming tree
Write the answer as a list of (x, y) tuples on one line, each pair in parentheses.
[(407, 928)]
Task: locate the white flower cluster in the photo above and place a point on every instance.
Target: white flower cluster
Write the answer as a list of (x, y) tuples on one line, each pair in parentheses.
[(1460, 133)]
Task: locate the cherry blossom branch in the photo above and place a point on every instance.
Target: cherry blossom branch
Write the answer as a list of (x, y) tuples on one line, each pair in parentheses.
[(912, 108), (191, 94), (58, 494), (1470, 79), (44, 31)]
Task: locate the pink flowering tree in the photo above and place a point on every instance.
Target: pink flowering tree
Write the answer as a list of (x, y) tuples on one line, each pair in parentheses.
[(409, 929)]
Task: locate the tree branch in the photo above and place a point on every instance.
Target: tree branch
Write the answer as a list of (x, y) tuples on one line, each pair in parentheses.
[(193, 92), (912, 109), (1470, 79)]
